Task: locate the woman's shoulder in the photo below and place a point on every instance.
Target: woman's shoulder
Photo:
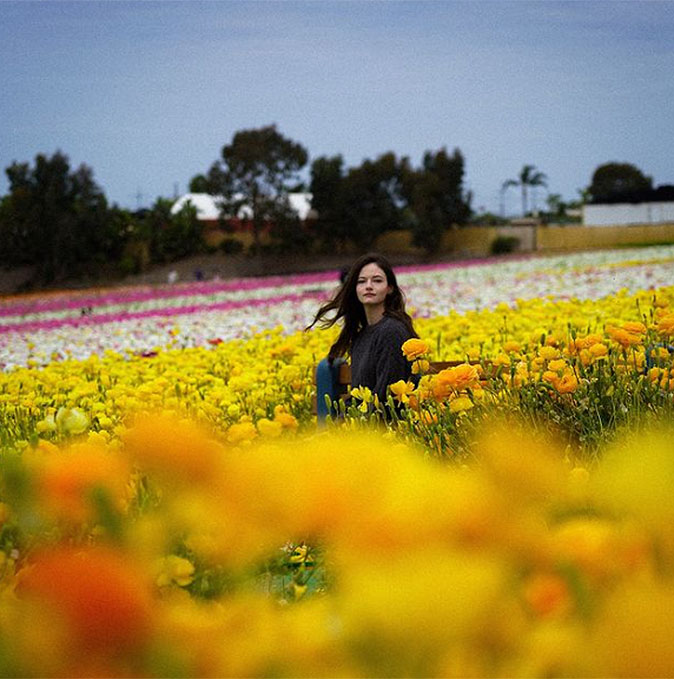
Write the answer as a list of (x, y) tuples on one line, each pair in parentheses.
[(393, 327)]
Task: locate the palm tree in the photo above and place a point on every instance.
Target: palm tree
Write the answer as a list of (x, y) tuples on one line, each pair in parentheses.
[(529, 177)]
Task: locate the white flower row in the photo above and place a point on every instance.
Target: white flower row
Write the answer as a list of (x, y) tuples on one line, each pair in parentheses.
[(430, 291)]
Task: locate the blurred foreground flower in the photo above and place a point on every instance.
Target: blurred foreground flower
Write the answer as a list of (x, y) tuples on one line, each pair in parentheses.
[(336, 554)]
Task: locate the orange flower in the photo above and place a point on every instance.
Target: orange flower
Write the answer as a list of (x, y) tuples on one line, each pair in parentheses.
[(178, 450), (414, 348), (547, 594), (102, 599), (634, 327), (455, 379), (623, 337), (666, 325), (654, 374), (567, 384), (66, 479), (550, 376)]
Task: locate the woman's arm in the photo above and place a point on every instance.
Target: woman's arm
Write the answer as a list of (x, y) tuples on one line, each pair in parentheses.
[(390, 363)]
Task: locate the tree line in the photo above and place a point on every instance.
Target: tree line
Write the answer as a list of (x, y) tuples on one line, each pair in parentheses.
[(57, 220), (353, 205)]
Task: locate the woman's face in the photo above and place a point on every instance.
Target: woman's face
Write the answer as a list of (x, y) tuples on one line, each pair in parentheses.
[(372, 286)]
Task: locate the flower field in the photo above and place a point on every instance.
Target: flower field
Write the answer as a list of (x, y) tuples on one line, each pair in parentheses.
[(170, 508)]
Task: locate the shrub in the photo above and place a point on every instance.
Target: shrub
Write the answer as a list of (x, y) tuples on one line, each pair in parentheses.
[(231, 246), (502, 245)]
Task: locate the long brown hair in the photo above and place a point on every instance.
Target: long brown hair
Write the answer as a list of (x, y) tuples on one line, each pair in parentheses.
[(346, 306)]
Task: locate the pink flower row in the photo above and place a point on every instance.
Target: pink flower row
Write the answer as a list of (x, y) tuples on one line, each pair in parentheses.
[(70, 300), (100, 319)]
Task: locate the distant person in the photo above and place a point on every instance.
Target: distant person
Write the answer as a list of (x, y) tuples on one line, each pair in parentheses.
[(172, 277), (343, 273), (375, 325)]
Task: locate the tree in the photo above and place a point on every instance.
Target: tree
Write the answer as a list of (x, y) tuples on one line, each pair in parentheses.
[(556, 205), (436, 197), (373, 201), (172, 236), (200, 184), (327, 199), (528, 178), (257, 170), (56, 220), (616, 182)]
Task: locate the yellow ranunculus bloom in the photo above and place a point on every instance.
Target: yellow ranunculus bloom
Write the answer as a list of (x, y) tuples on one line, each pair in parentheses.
[(420, 366), (459, 404), (268, 428), (401, 390), (598, 350), (174, 570), (71, 420), (243, 431), (548, 353)]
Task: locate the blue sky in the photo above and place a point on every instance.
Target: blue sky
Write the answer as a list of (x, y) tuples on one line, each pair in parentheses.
[(147, 93)]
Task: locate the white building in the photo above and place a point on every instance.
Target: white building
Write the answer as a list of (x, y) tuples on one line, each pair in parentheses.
[(623, 214), (208, 208)]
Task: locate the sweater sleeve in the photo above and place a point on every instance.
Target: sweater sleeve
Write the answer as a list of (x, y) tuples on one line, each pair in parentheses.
[(391, 364)]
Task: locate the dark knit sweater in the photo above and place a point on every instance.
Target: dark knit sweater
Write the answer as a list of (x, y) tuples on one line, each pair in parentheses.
[(376, 357)]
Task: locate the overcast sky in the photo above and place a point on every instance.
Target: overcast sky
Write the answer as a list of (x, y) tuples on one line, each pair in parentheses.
[(147, 93)]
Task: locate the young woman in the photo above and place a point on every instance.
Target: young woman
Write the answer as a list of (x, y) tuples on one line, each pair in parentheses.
[(375, 325)]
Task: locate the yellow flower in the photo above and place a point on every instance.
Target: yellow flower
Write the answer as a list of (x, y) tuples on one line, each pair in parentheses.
[(48, 424), (501, 360), (300, 554), (414, 348), (299, 590), (557, 364), (268, 428), (363, 394), (71, 420), (243, 431), (598, 350), (548, 353), (420, 366), (286, 420), (173, 569), (401, 390), (460, 404), (105, 422)]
